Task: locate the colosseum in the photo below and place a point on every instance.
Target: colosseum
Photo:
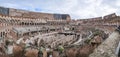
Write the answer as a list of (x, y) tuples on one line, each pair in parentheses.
[(33, 34)]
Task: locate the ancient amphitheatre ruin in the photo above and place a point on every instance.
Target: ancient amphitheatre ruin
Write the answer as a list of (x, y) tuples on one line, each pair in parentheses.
[(33, 34)]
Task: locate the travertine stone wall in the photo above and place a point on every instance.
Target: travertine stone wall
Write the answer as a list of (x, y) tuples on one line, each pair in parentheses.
[(108, 47), (17, 13), (113, 15), (34, 15)]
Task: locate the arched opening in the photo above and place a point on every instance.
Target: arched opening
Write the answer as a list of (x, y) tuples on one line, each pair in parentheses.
[(22, 23), (79, 24), (73, 28)]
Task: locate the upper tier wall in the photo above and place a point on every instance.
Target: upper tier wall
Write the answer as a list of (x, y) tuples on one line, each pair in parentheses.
[(113, 15), (110, 16), (33, 15)]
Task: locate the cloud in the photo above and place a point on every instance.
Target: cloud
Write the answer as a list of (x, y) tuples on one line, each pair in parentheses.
[(78, 9)]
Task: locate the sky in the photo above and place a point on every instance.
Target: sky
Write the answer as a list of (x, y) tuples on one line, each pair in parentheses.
[(78, 9)]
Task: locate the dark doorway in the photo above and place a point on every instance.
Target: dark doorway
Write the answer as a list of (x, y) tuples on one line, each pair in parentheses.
[(119, 53)]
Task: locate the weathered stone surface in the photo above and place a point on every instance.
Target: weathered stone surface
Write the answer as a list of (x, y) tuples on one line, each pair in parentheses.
[(34, 15), (108, 47)]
